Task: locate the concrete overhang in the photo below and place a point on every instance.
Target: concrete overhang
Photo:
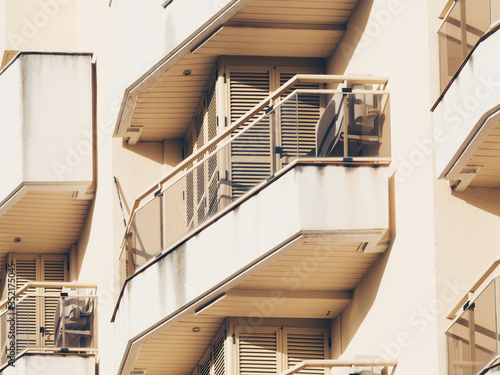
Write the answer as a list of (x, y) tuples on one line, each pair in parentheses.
[(312, 234), (467, 119), (47, 116), (161, 103)]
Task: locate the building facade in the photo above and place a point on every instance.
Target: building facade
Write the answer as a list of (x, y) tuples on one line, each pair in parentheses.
[(218, 187)]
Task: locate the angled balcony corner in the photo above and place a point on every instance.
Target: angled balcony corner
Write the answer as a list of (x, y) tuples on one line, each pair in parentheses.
[(466, 115), (47, 149), (292, 198), (48, 154)]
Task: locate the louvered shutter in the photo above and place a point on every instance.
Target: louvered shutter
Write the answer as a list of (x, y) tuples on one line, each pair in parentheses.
[(201, 203), (250, 154), (213, 190), (299, 117), (189, 146), (205, 363), (219, 355), (26, 269), (202, 184), (302, 344), (35, 312), (54, 269), (258, 351)]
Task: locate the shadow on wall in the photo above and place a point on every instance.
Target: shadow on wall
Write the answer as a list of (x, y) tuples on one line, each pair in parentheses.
[(344, 52), (350, 320), (485, 199), (149, 150)]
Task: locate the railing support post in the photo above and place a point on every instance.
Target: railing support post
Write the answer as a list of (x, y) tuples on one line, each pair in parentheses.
[(63, 321), (347, 120), (463, 27), (273, 134)]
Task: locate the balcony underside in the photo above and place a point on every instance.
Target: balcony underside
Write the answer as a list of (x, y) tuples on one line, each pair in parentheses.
[(161, 105), (296, 249), (311, 280), (467, 120), (48, 221)]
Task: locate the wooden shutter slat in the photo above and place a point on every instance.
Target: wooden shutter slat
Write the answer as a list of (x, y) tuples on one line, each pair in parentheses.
[(298, 119), (258, 352), (53, 268), (246, 90), (219, 355), (304, 344), (26, 269)]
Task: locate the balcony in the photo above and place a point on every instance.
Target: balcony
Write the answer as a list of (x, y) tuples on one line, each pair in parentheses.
[(464, 25), (466, 114), (248, 156), (284, 189), (47, 148), (473, 337), (49, 320)]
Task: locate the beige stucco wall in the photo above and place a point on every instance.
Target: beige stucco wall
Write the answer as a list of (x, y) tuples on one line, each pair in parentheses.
[(41, 25), (386, 318), (2, 22)]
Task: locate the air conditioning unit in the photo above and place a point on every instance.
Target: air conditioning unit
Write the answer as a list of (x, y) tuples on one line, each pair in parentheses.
[(73, 319), (365, 109)]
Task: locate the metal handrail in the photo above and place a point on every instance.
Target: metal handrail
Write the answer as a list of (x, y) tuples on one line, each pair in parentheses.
[(47, 284), (330, 363), (475, 287), (299, 78)]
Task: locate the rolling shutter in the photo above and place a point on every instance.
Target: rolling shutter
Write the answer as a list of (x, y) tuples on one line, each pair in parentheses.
[(299, 115), (303, 344), (250, 154), (258, 352)]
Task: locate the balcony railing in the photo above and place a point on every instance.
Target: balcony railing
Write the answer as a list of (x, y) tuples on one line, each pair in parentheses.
[(473, 339), (48, 317), (357, 366), (352, 128), (465, 23)]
